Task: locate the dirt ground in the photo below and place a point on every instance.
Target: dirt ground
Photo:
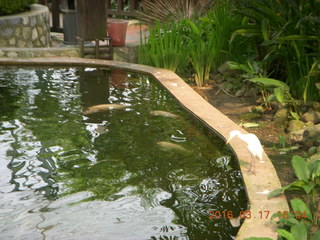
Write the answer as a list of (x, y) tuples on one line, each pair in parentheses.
[(239, 109)]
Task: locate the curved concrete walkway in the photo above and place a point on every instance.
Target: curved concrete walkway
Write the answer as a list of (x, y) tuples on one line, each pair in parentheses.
[(258, 186)]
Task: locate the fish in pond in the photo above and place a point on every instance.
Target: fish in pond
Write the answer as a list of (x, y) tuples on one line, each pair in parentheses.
[(235, 222), (102, 108), (163, 114), (172, 146)]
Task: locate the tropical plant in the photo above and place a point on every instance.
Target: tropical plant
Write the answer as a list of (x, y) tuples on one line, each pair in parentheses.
[(165, 47), (209, 40), (308, 174), (8, 7), (286, 34), (254, 73), (173, 10), (297, 225)]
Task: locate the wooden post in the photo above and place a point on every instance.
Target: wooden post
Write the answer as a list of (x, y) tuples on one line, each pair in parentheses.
[(133, 5), (120, 5), (56, 15)]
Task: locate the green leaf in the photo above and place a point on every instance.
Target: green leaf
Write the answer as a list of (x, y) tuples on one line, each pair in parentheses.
[(295, 115), (275, 193), (286, 234), (315, 169), (300, 207), (258, 238), (316, 236), (269, 82), (297, 38), (300, 167), (264, 28), (279, 93), (299, 231)]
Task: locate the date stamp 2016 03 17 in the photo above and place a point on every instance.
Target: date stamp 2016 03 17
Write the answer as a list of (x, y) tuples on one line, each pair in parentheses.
[(258, 215)]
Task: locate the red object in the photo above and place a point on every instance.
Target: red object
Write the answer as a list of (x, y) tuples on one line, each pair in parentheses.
[(117, 30)]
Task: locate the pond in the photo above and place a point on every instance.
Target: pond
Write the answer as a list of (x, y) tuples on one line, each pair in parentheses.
[(93, 153)]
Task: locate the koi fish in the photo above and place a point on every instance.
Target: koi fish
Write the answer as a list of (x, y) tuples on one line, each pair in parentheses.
[(163, 114), (172, 146), (103, 108)]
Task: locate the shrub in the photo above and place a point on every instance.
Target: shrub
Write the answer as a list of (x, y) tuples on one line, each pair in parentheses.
[(8, 7)]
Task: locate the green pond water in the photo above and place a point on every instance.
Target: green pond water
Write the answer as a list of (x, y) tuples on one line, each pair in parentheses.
[(128, 173)]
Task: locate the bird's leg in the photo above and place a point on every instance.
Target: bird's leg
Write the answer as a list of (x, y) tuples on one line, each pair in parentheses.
[(252, 165)]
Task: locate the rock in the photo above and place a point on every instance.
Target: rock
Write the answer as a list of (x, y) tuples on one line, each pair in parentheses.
[(315, 157), (311, 136), (296, 136), (251, 92), (311, 116), (312, 150), (316, 106), (240, 92), (295, 125), (281, 115), (223, 67)]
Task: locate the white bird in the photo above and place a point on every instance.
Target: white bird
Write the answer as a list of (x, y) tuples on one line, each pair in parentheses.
[(253, 145)]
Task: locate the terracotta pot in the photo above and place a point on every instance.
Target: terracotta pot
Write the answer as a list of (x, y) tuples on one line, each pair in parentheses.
[(117, 30)]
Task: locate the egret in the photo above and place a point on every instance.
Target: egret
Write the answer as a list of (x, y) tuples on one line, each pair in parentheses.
[(253, 145)]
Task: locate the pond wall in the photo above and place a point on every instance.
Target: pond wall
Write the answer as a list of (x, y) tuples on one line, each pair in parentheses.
[(258, 185), (26, 30)]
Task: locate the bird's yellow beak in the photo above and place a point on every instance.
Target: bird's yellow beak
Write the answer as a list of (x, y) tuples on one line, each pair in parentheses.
[(227, 142)]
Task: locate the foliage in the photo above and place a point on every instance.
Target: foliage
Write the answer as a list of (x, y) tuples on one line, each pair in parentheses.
[(297, 225), (8, 7), (173, 10), (203, 42), (165, 47), (286, 35), (303, 222), (281, 91)]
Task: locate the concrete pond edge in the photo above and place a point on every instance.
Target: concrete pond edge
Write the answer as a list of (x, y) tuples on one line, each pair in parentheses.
[(258, 185)]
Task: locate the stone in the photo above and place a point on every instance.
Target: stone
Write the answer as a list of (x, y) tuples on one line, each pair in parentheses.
[(316, 106), (240, 92), (26, 33), (33, 21), (281, 114), (21, 43), (3, 43), (295, 125), (18, 31), (12, 54), (311, 116), (296, 136), (312, 150), (311, 136), (223, 67), (251, 92), (6, 31), (34, 35), (12, 41), (40, 30), (315, 157), (14, 21), (25, 20)]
